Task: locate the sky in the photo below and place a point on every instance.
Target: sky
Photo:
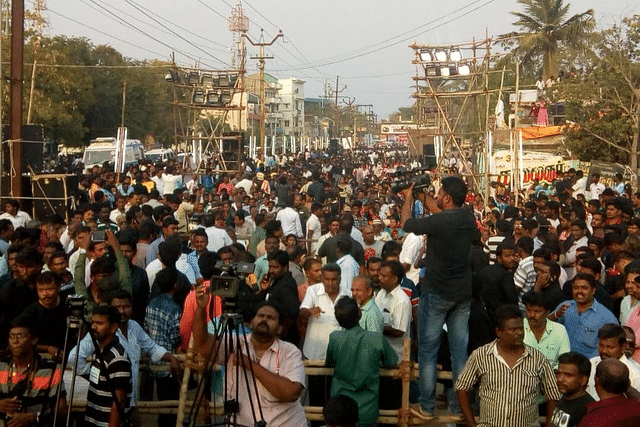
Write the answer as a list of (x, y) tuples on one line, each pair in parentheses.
[(365, 43)]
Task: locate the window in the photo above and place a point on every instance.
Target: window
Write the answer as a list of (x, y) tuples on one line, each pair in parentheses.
[(286, 123)]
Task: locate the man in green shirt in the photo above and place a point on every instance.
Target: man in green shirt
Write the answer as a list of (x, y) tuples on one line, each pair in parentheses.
[(357, 355), (549, 337), (362, 291)]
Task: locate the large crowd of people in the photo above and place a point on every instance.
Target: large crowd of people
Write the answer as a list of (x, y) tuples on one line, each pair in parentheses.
[(531, 299)]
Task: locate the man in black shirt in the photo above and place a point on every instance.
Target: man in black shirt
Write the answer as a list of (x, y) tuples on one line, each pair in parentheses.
[(446, 290), (280, 286), (572, 376), (329, 247), (497, 280)]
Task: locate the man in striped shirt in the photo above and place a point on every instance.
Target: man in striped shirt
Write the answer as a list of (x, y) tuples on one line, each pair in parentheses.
[(111, 377), (510, 375)]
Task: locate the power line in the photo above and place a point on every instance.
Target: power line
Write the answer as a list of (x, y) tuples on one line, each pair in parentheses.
[(124, 22), (142, 10)]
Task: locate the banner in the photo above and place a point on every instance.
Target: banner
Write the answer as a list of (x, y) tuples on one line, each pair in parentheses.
[(542, 166), (121, 142)]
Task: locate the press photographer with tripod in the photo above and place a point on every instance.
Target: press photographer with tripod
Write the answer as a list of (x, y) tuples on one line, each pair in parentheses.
[(275, 364)]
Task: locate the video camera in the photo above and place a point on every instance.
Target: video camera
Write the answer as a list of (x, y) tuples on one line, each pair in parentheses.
[(227, 284), (404, 178)]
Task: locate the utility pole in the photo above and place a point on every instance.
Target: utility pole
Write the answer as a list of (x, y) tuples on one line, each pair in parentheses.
[(337, 118), (15, 113), (124, 103), (261, 63), (39, 24)]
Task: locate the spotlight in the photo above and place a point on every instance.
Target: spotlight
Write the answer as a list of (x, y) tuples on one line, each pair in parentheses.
[(224, 80), (455, 55), (198, 97), (213, 98), (215, 81), (226, 97), (172, 76), (432, 71), (444, 70), (233, 79), (193, 78), (464, 70), (426, 55), (206, 80), (441, 55)]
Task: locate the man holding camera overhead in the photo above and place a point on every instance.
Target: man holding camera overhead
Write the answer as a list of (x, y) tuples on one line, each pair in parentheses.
[(446, 288)]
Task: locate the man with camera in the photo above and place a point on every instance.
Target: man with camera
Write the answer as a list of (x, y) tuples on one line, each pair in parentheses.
[(275, 364), (446, 289)]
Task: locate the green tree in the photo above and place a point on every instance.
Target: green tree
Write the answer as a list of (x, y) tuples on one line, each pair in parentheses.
[(544, 28), (604, 102)]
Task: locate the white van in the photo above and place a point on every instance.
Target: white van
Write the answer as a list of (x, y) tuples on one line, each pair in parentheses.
[(160, 155), (104, 150)]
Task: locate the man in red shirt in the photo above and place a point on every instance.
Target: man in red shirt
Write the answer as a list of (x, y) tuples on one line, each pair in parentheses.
[(614, 409)]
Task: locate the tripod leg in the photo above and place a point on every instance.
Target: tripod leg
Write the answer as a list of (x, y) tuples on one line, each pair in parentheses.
[(184, 387), (73, 375)]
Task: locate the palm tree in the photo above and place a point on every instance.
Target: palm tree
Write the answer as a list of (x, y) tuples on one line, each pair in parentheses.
[(544, 28)]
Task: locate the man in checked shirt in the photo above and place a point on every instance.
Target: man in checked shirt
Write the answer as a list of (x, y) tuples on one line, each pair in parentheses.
[(509, 374)]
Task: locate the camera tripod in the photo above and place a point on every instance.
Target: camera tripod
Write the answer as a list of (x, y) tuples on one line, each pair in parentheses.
[(230, 339)]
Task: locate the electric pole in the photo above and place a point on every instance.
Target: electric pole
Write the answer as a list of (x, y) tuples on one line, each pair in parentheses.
[(16, 81), (261, 63)]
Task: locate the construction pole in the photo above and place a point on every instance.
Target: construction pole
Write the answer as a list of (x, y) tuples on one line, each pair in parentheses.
[(261, 63), (15, 118), (124, 103)]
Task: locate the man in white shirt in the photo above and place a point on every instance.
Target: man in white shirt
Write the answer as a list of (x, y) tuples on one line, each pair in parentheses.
[(580, 187), (596, 188), (349, 267), (317, 308), (13, 213), (290, 221), (579, 232), (314, 228), (217, 234), (394, 304), (611, 344), (409, 255)]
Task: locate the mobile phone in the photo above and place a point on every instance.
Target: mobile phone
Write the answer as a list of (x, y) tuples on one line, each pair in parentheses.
[(98, 236)]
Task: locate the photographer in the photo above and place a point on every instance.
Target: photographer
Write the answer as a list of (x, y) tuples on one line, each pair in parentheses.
[(274, 364), (446, 289)]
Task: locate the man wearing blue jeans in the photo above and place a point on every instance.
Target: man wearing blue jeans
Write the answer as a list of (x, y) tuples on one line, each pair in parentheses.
[(446, 287)]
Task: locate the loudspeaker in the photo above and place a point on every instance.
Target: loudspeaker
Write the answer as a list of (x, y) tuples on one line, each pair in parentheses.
[(232, 151), (32, 150), (53, 194), (429, 156)]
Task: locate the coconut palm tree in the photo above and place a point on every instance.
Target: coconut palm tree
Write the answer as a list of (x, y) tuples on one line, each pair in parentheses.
[(543, 28)]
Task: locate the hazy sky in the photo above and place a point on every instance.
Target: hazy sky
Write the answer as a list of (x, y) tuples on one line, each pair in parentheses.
[(363, 42)]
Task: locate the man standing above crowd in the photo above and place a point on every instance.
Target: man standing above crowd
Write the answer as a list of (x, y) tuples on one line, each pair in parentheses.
[(446, 291)]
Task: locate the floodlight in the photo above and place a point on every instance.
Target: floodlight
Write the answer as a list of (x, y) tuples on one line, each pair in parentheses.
[(441, 55), (226, 97), (453, 69), (233, 79), (215, 81), (444, 71), (432, 71), (455, 55), (193, 78), (172, 76), (426, 55), (198, 97), (206, 80), (224, 80), (213, 98), (464, 69)]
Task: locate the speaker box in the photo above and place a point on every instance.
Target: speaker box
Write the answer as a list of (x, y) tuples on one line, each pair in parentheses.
[(429, 156), (32, 150), (232, 152), (53, 193)]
